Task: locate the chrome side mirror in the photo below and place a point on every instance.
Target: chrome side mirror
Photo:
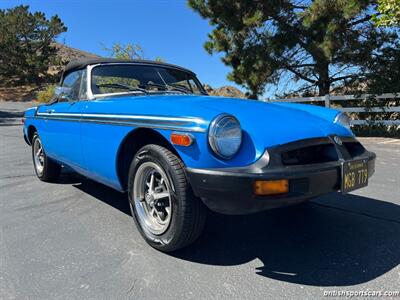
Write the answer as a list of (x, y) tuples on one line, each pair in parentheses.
[(62, 91), (61, 94)]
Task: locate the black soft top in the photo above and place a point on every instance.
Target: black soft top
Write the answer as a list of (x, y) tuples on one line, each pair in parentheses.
[(81, 63)]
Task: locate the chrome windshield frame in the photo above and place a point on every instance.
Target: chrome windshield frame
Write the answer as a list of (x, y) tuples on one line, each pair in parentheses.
[(92, 96)]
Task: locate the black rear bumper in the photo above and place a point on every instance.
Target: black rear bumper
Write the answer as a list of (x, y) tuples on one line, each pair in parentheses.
[(230, 191)]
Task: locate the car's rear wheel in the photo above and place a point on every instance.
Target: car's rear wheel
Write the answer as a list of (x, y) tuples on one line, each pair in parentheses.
[(45, 168), (168, 215)]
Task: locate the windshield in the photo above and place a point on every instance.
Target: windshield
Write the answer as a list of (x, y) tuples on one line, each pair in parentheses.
[(143, 79)]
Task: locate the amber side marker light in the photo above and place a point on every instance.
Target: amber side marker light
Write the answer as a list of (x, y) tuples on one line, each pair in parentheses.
[(181, 139), (271, 187)]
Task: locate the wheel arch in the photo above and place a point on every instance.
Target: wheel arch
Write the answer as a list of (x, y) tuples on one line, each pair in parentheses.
[(31, 131), (135, 140)]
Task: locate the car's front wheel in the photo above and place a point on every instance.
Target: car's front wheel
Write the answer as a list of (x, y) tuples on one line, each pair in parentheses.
[(45, 168), (166, 212)]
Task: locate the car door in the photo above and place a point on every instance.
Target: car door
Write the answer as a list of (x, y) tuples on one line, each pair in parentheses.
[(62, 129), (101, 140)]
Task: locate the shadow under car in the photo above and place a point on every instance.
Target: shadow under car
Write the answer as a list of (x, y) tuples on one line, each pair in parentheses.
[(311, 244)]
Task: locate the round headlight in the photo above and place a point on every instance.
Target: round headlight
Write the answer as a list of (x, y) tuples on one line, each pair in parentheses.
[(343, 119), (225, 136)]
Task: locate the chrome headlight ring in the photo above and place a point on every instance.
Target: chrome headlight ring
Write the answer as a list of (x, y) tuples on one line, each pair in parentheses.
[(225, 136), (342, 119)]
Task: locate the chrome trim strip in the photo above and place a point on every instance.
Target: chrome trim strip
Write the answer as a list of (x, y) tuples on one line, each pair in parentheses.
[(122, 116), (89, 83), (256, 167), (151, 121)]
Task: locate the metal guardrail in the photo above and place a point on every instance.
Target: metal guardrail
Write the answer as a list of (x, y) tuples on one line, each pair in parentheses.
[(328, 98)]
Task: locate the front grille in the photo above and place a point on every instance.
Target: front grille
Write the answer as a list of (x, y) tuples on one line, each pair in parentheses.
[(354, 148), (313, 154)]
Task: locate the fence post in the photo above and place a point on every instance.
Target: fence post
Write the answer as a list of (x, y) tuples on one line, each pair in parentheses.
[(327, 100)]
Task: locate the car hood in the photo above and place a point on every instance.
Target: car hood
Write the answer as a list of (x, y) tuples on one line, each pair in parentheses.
[(267, 124), (277, 123)]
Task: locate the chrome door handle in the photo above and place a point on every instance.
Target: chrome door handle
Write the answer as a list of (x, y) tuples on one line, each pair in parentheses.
[(50, 111)]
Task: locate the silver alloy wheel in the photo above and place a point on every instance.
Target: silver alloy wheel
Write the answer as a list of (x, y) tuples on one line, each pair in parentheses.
[(152, 194), (38, 156)]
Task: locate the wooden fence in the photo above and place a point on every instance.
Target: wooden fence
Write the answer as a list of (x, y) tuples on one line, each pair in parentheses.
[(327, 99)]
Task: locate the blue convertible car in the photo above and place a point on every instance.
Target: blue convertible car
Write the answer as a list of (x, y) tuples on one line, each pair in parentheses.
[(150, 129)]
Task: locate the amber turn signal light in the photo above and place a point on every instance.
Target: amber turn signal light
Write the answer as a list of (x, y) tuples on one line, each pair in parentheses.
[(181, 139), (271, 187)]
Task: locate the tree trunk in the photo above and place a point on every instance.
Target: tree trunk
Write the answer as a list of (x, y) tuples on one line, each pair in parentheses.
[(323, 87), (324, 82)]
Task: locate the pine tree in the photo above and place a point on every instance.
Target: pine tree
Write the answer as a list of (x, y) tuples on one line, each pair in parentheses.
[(26, 43), (321, 44)]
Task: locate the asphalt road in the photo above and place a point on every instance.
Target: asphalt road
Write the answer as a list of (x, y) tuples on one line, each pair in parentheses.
[(76, 240)]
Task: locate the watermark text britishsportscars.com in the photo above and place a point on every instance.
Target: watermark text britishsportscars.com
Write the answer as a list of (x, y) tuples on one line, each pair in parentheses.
[(361, 293)]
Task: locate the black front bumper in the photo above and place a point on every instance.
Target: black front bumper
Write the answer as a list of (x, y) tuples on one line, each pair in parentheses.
[(230, 191)]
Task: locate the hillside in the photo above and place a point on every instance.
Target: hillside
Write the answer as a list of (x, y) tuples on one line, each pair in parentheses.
[(66, 54), (28, 92), (224, 91)]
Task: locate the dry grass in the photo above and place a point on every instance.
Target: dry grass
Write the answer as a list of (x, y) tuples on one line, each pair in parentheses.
[(24, 93)]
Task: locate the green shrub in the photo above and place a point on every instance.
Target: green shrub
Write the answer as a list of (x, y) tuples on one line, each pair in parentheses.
[(46, 94), (374, 130)]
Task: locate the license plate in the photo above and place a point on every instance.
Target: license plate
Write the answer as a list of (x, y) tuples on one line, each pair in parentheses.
[(354, 175)]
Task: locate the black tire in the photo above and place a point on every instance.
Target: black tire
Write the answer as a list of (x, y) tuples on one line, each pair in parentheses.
[(50, 169), (188, 212)]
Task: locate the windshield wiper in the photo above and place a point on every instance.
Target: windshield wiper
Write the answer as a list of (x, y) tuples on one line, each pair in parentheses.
[(180, 87), (122, 86), (172, 87), (169, 87)]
